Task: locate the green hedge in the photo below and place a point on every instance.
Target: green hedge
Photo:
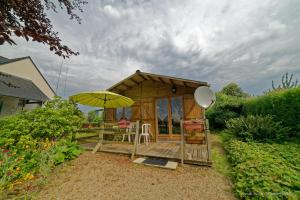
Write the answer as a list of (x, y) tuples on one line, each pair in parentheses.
[(225, 108), (265, 171), (283, 105), (257, 128)]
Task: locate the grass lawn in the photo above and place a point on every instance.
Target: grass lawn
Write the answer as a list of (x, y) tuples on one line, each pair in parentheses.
[(219, 156)]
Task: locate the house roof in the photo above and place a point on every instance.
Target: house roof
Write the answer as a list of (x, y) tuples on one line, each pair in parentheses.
[(14, 86), (4, 61), (138, 77)]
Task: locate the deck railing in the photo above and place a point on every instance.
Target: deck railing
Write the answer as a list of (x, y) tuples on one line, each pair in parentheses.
[(112, 129), (194, 126), (187, 151)]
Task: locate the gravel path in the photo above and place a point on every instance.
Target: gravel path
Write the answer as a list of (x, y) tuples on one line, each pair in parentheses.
[(110, 176)]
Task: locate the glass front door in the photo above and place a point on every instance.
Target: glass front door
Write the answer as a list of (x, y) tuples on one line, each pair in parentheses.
[(169, 114)]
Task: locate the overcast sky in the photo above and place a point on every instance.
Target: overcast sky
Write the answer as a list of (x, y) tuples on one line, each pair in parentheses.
[(249, 42)]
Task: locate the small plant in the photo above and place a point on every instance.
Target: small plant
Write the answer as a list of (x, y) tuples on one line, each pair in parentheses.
[(65, 150), (258, 128)]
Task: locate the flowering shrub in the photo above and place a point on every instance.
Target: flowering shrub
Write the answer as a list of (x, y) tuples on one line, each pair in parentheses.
[(32, 158), (56, 119), (32, 143)]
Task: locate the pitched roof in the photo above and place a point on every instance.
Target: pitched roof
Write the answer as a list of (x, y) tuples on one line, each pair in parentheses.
[(4, 61), (139, 77), (14, 86)]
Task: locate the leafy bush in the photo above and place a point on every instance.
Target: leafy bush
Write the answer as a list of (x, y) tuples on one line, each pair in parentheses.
[(12, 128), (265, 171), (53, 120), (226, 107), (259, 128), (283, 105)]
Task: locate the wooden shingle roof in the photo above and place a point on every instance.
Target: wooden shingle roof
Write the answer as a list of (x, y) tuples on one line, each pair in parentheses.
[(138, 77)]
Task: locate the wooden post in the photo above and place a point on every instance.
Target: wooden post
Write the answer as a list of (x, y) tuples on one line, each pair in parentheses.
[(207, 135), (100, 142), (136, 138), (182, 142)]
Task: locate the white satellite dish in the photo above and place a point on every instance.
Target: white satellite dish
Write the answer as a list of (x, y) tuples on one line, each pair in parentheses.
[(204, 97)]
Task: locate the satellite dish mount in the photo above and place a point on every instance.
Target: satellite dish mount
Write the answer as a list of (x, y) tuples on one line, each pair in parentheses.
[(205, 98)]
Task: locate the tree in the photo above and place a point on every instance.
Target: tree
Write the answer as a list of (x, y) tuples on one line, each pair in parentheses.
[(27, 19), (232, 89), (95, 116), (286, 81)]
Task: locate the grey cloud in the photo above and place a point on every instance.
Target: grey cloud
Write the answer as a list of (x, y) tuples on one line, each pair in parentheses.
[(249, 42)]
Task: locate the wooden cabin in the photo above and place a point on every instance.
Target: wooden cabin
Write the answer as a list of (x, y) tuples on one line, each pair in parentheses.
[(160, 100)]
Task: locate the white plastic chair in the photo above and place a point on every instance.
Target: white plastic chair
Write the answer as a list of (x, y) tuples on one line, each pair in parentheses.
[(145, 133), (128, 131)]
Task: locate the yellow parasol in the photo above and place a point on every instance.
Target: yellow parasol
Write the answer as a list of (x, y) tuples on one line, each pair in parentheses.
[(103, 99)]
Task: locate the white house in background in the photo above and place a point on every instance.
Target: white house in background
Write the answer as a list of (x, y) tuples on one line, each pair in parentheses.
[(22, 85)]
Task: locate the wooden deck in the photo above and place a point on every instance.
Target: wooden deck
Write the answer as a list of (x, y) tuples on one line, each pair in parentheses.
[(194, 153)]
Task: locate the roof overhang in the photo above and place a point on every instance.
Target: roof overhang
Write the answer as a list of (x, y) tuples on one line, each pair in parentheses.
[(14, 86), (138, 77)]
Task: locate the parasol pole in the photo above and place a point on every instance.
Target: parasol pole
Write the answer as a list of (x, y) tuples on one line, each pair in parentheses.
[(104, 115)]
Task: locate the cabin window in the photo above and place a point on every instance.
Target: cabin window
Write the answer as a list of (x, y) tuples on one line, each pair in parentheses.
[(177, 114), (162, 116), (169, 113)]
